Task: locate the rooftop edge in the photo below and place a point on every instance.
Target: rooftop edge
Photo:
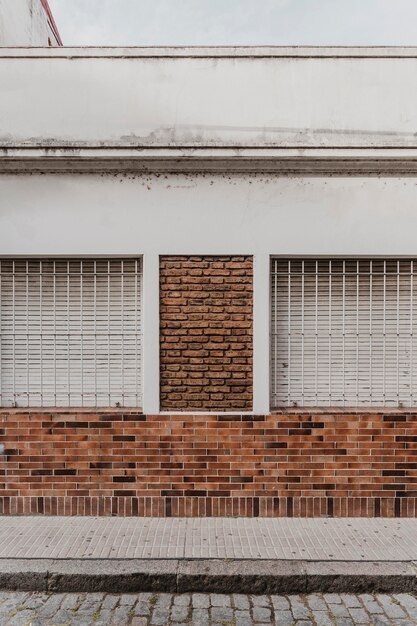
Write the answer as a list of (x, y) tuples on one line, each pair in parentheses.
[(211, 52)]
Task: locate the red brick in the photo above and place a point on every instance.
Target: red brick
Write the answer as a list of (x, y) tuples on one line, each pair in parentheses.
[(207, 464), (206, 313)]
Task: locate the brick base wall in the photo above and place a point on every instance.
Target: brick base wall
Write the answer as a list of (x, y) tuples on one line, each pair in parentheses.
[(125, 463)]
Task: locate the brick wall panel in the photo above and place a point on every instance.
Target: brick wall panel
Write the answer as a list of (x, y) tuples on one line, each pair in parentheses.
[(206, 352), (125, 463)]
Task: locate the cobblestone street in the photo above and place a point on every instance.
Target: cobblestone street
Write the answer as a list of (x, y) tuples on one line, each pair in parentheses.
[(147, 609)]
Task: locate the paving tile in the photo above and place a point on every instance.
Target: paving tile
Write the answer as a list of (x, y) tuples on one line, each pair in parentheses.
[(179, 613), (35, 601), (316, 602), (243, 618), (280, 603), (221, 614), (72, 601), (220, 600), (283, 618), (241, 602), (261, 614), (344, 621), (139, 621), (200, 617), (407, 601), (160, 617), (128, 600), (110, 602), (163, 600), (338, 539), (339, 610), (351, 601), (370, 604), (200, 600), (260, 600), (391, 608), (121, 615), (298, 608), (359, 616), (20, 619), (322, 618), (103, 618), (332, 598), (381, 620), (182, 600), (142, 609)]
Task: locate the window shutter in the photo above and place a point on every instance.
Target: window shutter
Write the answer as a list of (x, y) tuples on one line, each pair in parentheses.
[(70, 332), (342, 333)]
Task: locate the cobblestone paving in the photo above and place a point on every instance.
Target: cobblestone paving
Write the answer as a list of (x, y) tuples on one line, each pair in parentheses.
[(198, 609)]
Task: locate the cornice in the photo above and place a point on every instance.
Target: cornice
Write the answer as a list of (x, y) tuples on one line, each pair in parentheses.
[(296, 161), (248, 52)]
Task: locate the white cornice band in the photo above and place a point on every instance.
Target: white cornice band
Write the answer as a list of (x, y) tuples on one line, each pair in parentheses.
[(363, 161)]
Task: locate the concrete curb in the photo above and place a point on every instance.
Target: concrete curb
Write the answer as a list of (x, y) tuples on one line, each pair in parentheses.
[(199, 575)]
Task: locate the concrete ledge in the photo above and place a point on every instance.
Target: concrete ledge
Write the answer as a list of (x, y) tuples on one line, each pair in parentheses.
[(121, 576), (227, 576), (75, 575), (360, 576), (199, 575), (366, 161), (24, 575)]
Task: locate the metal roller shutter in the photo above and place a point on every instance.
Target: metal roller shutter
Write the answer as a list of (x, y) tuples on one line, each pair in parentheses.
[(342, 333), (70, 332)]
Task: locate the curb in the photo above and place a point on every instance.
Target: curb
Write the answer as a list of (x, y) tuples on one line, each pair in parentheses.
[(200, 575)]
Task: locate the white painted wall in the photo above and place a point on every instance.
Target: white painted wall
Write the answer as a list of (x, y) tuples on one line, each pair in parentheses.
[(107, 98), (220, 213)]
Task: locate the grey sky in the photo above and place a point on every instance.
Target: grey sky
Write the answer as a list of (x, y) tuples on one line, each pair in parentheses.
[(236, 22)]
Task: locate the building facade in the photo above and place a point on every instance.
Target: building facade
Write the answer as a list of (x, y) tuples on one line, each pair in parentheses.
[(27, 23), (208, 295)]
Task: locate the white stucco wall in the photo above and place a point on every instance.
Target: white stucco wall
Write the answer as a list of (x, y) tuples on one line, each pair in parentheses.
[(128, 98), (92, 214), (25, 23)]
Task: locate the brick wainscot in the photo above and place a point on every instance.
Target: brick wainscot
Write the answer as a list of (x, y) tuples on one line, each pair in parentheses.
[(327, 463)]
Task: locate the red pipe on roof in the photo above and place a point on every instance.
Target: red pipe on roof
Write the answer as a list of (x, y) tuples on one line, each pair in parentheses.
[(52, 21)]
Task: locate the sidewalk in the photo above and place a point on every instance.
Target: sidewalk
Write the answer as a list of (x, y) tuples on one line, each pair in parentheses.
[(212, 554)]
